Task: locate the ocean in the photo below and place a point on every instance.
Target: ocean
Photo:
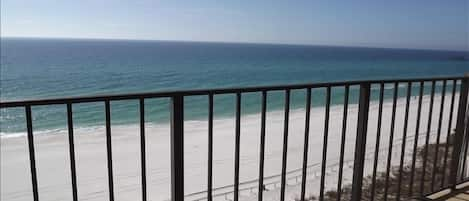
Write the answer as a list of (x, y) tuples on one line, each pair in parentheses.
[(51, 68)]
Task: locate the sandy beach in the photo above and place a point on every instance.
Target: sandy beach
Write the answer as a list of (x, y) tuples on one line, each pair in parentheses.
[(54, 171)]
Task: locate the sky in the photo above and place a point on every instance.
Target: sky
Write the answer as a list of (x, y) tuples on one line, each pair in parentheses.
[(416, 24)]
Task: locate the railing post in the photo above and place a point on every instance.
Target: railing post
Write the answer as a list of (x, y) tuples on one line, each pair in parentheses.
[(360, 143), (177, 148), (458, 141)]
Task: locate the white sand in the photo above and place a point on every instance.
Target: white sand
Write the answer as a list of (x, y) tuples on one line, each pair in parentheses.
[(54, 170)]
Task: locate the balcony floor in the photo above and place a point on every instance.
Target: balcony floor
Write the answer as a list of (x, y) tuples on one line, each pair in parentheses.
[(461, 194)]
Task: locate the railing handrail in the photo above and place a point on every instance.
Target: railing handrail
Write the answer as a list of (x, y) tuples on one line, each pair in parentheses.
[(195, 92)]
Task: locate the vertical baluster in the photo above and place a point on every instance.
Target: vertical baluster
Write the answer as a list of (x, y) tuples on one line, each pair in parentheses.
[(262, 147), (463, 170), (109, 150), (324, 149), (342, 142), (404, 139), (378, 137), (448, 133), (306, 143), (416, 138), (464, 154), (391, 139), (72, 151), (210, 147), (427, 140), (237, 146), (285, 145), (437, 149), (459, 135), (32, 158), (142, 149)]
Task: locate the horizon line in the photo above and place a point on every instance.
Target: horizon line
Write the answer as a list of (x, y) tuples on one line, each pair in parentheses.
[(229, 42)]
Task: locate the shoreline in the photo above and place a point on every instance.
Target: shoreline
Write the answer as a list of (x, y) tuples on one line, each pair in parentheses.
[(125, 114), (337, 107), (153, 125)]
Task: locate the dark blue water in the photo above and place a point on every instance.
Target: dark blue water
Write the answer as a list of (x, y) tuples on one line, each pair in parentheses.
[(47, 68)]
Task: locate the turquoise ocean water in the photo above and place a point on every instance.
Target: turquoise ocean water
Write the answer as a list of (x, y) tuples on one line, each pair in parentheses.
[(48, 68)]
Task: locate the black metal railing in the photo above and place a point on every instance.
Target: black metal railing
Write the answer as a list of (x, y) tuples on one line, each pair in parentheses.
[(454, 161)]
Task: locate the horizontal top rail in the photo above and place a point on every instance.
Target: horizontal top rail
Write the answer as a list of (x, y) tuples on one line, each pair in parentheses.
[(162, 94)]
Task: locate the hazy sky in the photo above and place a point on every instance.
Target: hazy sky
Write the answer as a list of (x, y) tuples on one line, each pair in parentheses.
[(425, 24)]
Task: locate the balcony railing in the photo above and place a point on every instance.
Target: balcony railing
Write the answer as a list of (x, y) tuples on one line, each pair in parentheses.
[(454, 162)]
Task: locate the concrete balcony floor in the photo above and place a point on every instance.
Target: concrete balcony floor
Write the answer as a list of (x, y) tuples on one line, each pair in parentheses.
[(460, 194)]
